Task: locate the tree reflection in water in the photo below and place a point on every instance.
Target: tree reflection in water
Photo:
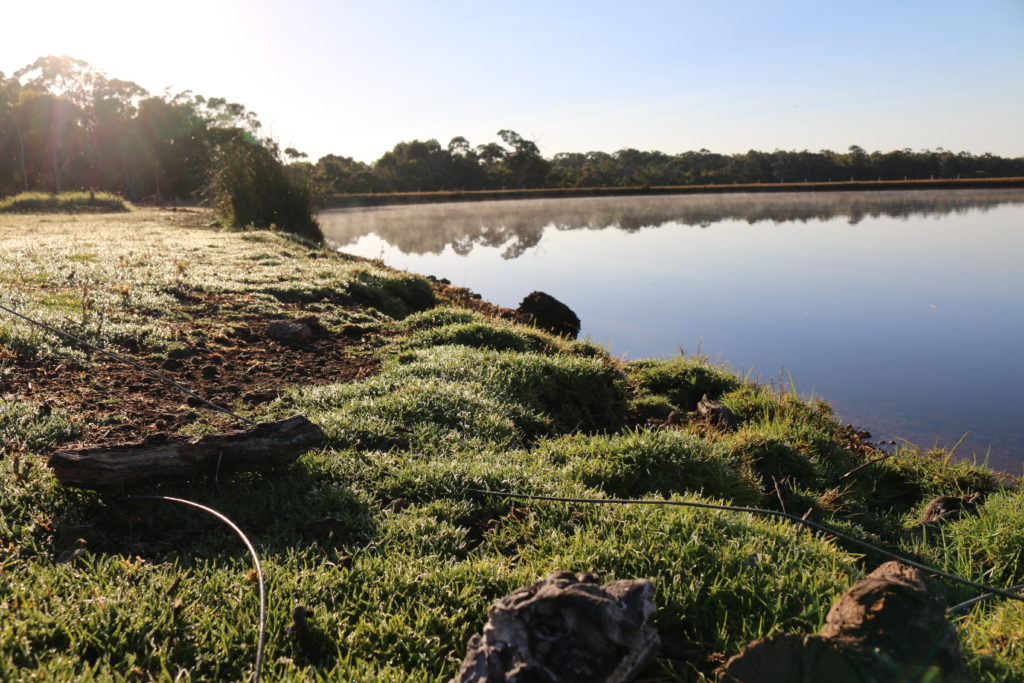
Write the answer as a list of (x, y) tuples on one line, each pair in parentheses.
[(517, 225)]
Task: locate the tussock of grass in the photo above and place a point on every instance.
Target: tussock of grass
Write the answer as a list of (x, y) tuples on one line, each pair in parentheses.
[(681, 381), (988, 546), (637, 463), (577, 393), (994, 640), (442, 316), (65, 202), (396, 294), (28, 427), (444, 326), (446, 394)]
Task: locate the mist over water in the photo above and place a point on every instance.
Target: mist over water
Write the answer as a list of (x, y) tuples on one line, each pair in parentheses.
[(905, 310)]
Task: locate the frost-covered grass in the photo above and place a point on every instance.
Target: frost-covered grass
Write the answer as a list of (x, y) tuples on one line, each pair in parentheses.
[(65, 202), (148, 277)]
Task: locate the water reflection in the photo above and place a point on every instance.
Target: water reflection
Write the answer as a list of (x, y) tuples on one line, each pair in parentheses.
[(517, 226)]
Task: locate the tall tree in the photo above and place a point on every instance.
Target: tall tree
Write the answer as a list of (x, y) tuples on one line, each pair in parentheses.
[(525, 164)]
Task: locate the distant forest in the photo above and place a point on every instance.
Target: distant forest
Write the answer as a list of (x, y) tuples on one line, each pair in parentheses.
[(66, 125)]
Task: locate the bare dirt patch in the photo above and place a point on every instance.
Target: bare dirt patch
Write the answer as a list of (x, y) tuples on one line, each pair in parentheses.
[(239, 367)]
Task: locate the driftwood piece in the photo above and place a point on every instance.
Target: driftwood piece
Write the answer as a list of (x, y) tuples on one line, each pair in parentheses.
[(891, 626), (565, 628), (266, 446)]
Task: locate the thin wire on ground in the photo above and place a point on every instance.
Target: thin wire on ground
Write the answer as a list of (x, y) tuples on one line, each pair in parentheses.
[(261, 637)]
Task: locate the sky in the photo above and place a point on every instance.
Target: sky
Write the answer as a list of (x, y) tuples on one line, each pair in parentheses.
[(354, 78)]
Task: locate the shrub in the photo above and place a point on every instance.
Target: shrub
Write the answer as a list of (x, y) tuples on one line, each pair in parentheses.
[(251, 187)]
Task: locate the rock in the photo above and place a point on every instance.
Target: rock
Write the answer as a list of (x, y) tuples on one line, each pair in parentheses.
[(314, 325), (891, 626), (288, 332), (565, 628), (550, 314), (257, 396), (352, 331), (716, 413), (944, 509), (949, 508), (299, 331)]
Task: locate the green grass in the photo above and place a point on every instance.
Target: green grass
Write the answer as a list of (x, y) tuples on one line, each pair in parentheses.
[(441, 396), (65, 202), (143, 277), (681, 381), (445, 326), (96, 587)]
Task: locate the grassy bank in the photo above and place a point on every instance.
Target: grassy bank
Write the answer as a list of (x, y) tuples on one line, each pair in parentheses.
[(377, 533), (65, 202), (339, 201)]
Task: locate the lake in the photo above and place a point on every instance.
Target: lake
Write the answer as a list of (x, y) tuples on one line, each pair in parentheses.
[(905, 310)]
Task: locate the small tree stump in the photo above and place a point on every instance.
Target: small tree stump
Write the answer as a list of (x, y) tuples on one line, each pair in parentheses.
[(565, 628), (268, 445)]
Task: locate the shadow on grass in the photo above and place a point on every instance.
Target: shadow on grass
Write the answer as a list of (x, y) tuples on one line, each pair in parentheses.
[(278, 511)]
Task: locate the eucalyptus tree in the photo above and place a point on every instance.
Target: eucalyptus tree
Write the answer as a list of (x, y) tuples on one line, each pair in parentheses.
[(525, 164)]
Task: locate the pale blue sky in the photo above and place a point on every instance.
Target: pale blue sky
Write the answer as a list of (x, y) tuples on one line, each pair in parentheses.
[(354, 78)]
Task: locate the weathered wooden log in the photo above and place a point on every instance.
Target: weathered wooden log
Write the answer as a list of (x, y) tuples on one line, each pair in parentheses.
[(890, 626), (566, 628), (266, 446)]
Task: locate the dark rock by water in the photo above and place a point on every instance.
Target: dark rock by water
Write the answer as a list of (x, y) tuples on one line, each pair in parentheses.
[(565, 628), (550, 314)]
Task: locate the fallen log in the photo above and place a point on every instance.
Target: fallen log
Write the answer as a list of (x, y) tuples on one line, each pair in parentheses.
[(266, 446)]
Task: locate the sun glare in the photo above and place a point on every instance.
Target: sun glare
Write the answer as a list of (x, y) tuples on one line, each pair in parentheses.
[(154, 44)]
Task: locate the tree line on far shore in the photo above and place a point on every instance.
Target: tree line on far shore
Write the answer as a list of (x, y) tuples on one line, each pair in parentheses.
[(424, 166), (65, 125)]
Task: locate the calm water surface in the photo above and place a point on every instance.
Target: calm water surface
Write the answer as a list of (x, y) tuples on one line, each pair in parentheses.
[(904, 310)]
